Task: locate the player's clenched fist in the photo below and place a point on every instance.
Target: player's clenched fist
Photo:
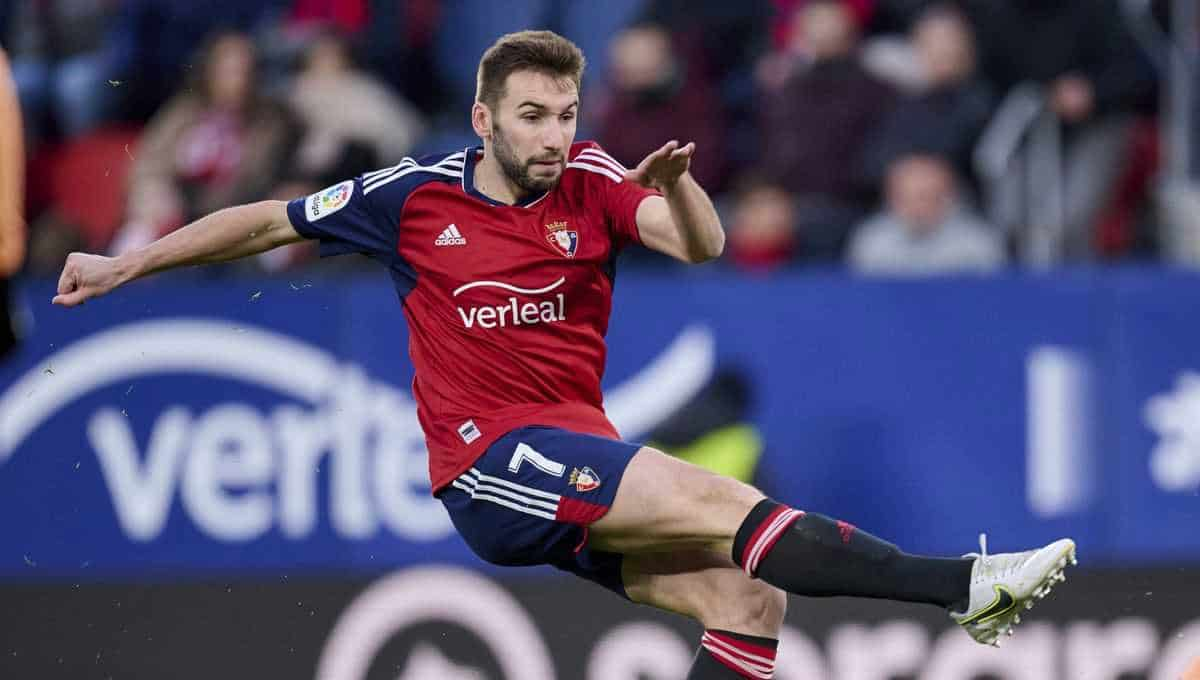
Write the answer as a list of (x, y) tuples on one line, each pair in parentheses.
[(84, 277)]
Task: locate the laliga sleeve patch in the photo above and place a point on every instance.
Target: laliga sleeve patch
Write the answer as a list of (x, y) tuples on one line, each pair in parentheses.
[(328, 201)]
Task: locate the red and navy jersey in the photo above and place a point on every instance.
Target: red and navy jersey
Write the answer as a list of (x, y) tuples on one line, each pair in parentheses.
[(507, 305)]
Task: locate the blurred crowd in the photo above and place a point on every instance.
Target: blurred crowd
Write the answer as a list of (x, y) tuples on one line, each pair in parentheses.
[(828, 131)]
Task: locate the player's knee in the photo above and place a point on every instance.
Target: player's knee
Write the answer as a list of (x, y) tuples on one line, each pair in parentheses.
[(747, 606), (766, 607)]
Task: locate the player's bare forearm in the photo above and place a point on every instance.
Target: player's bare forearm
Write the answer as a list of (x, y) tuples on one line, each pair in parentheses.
[(225, 235), (694, 219)]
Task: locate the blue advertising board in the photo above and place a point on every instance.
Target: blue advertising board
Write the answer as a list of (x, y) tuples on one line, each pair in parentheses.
[(194, 426)]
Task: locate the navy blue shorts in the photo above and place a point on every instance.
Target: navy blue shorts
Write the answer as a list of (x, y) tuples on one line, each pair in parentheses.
[(530, 497)]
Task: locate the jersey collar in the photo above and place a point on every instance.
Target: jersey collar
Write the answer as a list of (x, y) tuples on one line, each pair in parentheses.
[(473, 154)]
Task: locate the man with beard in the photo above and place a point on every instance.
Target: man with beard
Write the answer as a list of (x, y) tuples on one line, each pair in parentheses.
[(503, 258)]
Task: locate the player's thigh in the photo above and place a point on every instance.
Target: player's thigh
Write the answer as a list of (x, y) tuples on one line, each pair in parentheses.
[(707, 587), (664, 503)]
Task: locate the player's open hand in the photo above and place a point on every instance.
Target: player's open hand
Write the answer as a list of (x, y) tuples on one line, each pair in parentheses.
[(661, 169), (85, 277)]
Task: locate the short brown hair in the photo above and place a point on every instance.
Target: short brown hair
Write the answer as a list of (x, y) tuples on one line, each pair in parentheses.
[(542, 51)]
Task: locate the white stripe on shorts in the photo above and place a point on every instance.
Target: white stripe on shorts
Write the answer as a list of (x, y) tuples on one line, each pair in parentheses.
[(538, 493), (501, 491), (483, 496), (508, 494)]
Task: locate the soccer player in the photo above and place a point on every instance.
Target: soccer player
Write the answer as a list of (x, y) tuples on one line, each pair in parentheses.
[(502, 256)]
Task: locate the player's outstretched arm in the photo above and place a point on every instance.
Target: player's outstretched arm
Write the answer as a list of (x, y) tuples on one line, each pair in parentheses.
[(224, 235), (682, 224)]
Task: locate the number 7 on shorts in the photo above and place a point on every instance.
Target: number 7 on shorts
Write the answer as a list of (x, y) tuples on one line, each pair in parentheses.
[(525, 452)]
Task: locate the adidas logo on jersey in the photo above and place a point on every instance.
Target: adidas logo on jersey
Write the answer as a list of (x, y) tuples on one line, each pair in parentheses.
[(450, 236)]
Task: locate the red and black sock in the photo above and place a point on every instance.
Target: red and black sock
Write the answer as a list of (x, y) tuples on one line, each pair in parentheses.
[(809, 554), (724, 656)]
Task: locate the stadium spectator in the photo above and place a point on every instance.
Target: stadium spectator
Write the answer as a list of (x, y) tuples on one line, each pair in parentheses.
[(816, 125), (12, 194), (58, 62), (784, 33), (651, 86), (152, 43), (722, 38), (924, 229), (287, 31), (947, 116), (349, 17), (721, 42), (353, 122), (883, 23), (1095, 79), (215, 144), (762, 234)]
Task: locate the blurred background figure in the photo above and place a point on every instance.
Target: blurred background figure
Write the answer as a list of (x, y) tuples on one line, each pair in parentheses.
[(818, 119), (951, 107), (817, 97), (762, 231), (12, 201), (352, 122), (288, 30), (650, 89), (152, 43), (1094, 80), (923, 229), (786, 30), (60, 65), (714, 429), (315, 17), (720, 42), (217, 143)]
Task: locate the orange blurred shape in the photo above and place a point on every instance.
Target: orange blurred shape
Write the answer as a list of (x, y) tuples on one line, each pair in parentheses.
[(1193, 670)]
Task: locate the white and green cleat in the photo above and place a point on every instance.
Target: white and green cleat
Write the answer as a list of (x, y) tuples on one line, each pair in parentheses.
[(1006, 584)]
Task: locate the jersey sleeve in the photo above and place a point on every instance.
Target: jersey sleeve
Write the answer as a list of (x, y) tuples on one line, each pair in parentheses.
[(343, 220), (620, 197), (622, 203)]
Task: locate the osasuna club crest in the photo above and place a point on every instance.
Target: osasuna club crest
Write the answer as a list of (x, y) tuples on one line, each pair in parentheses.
[(584, 480), (566, 239)]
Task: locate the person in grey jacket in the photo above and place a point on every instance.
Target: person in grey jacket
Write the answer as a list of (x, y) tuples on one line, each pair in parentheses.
[(923, 229)]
